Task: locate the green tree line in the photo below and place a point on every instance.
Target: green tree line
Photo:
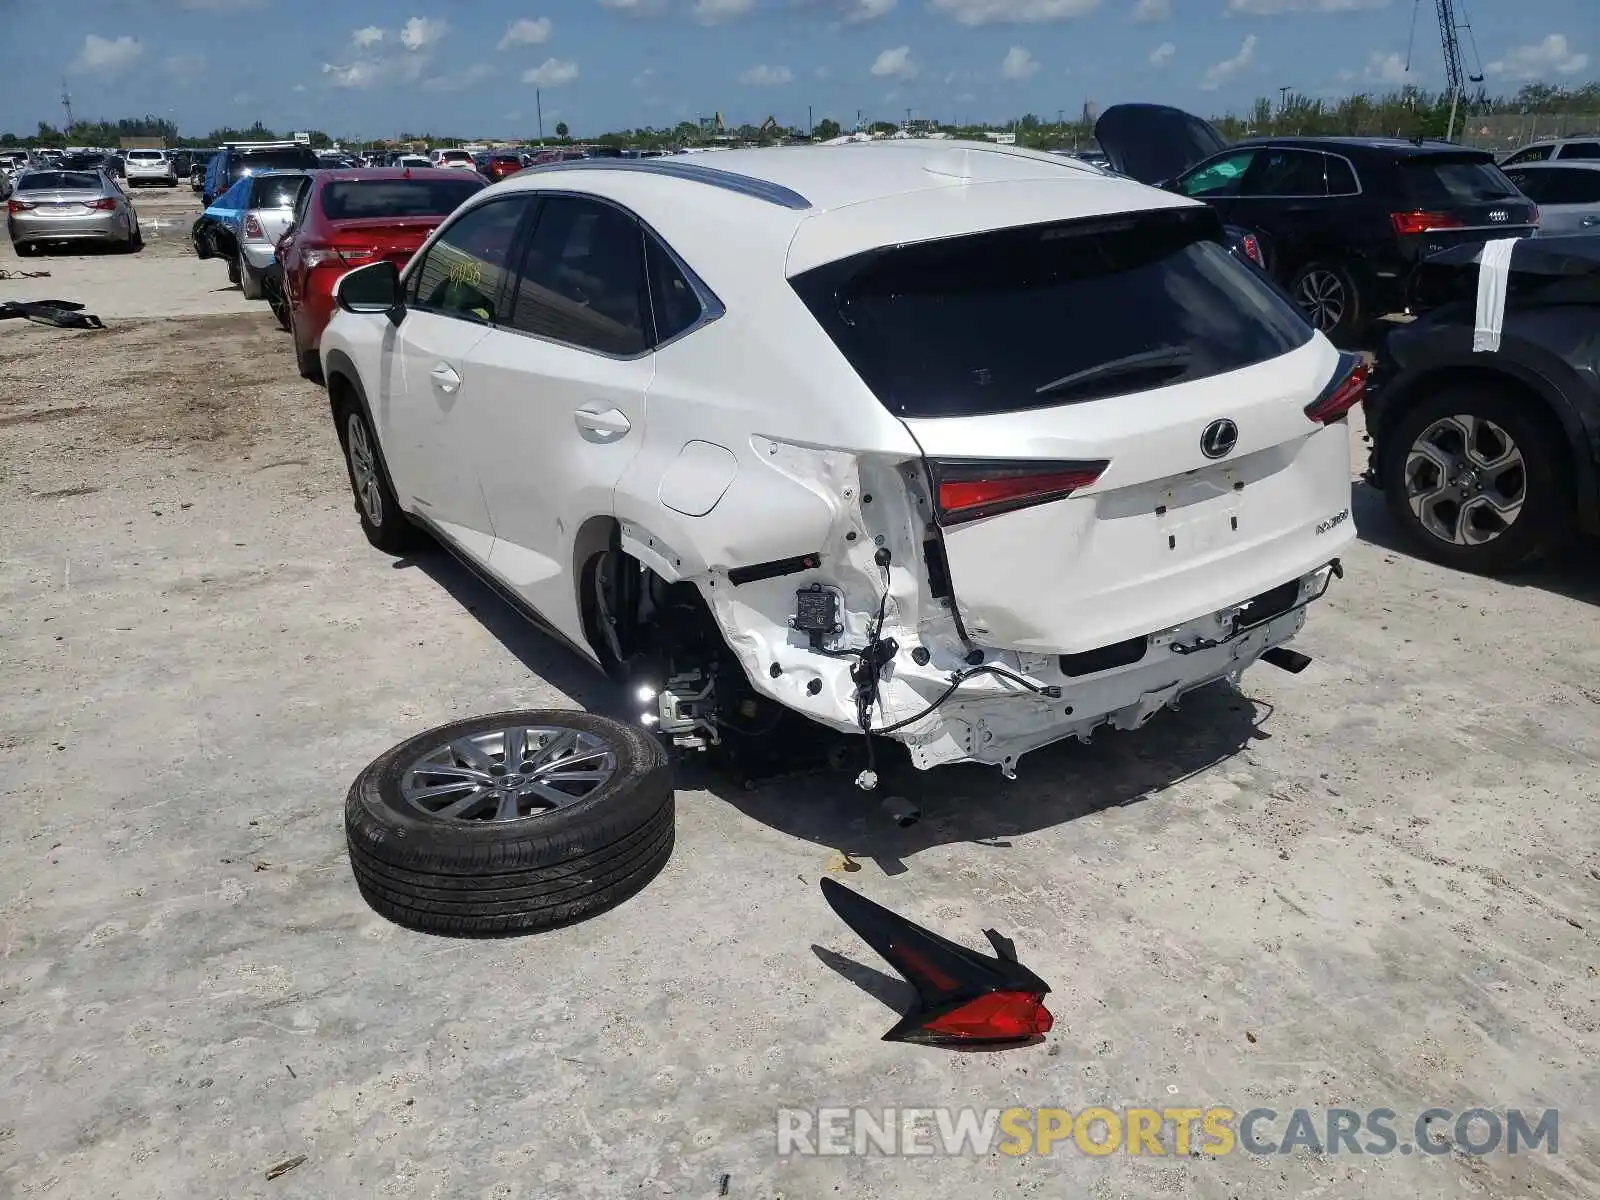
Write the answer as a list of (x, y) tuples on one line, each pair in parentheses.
[(1404, 112)]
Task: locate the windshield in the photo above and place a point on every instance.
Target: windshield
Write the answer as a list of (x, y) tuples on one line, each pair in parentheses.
[(1448, 181), (357, 199), (59, 181), (145, 156), (1044, 315)]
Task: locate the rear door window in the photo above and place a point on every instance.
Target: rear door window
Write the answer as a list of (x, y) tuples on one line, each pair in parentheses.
[(1588, 150), (1282, 172), (672, 298), (1046, 315), (582, 280), (1443, 181), (1342, 179), (1553, 185), (465, 271), (1221, 176)]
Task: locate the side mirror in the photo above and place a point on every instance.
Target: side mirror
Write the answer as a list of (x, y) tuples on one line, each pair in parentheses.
[(374, 288)]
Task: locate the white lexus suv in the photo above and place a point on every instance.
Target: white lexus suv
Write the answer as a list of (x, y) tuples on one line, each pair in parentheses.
[(963, 445)]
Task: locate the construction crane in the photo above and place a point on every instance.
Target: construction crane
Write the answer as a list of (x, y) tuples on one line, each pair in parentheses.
[(1456, 79)]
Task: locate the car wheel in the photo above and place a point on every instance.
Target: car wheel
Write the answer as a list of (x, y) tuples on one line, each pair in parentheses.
[(1475, 481), (25, 249), (233, 270), (387, 527), (1327, 294), (249, 281), (510, 823)]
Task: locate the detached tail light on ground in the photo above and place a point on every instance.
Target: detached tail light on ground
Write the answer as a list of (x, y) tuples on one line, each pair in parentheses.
[(1346, 390), (967, 489), (963, 998)]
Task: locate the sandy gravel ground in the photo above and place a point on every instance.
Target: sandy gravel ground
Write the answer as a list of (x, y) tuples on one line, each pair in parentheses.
[(1374, 884)]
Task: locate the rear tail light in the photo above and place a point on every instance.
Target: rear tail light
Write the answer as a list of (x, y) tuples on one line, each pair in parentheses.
[(1346, 390), (1409, 223), (967, 489), (337, 256), (108, 204), (17, 206), (995, 1017), (1252, 250), (252, 227)]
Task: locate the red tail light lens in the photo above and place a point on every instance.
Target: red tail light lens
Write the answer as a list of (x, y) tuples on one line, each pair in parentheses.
[(108, 204), (252, 227), (17, 206), (1347, 389), (1252, 250), (968, 489), (1407, 224), (995, 1017), (336, 256)]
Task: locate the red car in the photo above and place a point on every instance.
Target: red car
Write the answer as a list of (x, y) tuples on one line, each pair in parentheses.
[(346, 219), (500, 166)]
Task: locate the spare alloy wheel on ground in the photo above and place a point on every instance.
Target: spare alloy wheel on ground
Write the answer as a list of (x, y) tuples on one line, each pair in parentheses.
[(511, 822)]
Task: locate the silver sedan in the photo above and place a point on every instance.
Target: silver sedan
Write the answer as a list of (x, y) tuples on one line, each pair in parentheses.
[(50, 206)]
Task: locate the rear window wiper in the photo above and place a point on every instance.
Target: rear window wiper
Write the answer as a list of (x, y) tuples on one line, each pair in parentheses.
[(1162, 358)]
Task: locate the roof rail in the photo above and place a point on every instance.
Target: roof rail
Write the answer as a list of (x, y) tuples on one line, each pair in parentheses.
[(745, 185)]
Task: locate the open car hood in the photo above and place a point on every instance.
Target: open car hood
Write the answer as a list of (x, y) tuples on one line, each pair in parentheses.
[(1154, 143)]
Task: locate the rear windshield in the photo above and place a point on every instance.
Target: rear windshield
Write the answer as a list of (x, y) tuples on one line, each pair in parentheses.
[(396, 197), (145, 156), (55, 181), (275, 191), (1044, 315), (1445, 181), (272, 160)]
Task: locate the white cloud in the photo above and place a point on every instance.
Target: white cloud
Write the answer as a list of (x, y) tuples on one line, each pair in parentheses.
[(422, 31), (106, 55), (1538, 61), (367, 38), (1018, 64), (715, 12), (645, 77), (635, 8), (1162, 55), (1147, 12), (1386, 68), (529, 31), (298, 88), (765, 76), (363, 73), (1230, 69), (1012, 12), (867, 10), (1268, 8), (471, 76), (552, 72), (895, 64), (823, 72)]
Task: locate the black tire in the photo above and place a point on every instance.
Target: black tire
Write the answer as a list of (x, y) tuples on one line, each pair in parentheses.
[(25, 249), (1546, 517), (249, 280), (233, 269), (488, 878), (383, 521), (1334, 284)]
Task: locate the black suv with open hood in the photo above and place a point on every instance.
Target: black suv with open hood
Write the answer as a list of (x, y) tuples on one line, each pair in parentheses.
[(1347, 217)]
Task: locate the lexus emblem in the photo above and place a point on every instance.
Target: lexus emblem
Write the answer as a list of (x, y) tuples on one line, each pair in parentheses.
[(1499, 215), (1219, 438)]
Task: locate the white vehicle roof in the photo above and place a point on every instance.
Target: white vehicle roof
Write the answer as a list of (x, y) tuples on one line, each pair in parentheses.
[(816, 204)]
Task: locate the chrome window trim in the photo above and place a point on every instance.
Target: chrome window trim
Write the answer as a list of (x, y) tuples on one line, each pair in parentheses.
[(744, 185)]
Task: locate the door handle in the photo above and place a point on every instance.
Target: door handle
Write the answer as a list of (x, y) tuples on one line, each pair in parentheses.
[(611, 423), (445, 378)]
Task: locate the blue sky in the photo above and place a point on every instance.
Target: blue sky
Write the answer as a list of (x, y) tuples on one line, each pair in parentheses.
[(372, 69)]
